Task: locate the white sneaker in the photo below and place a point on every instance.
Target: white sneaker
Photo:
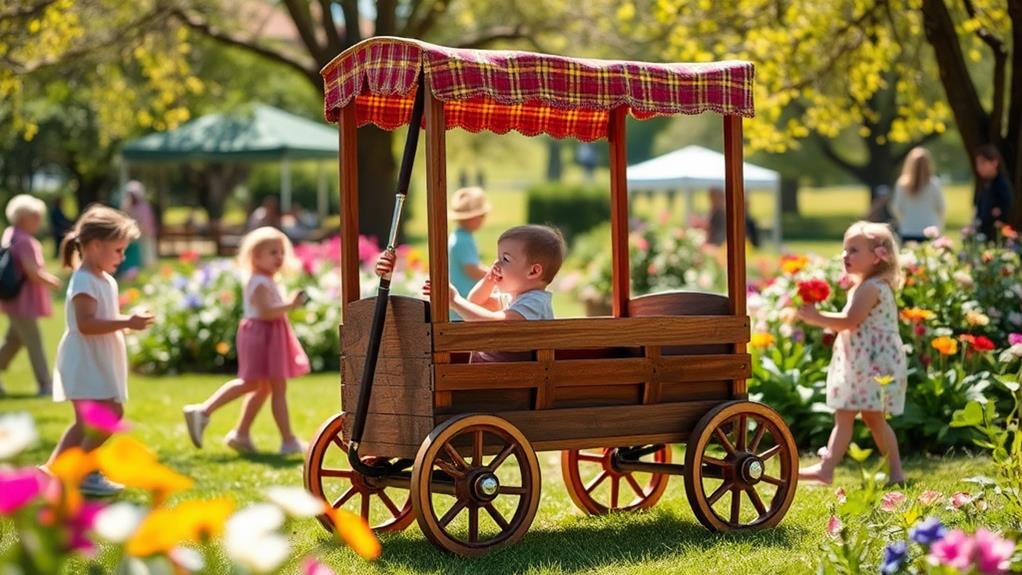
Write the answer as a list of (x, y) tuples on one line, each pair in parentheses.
[(293, 446), (196, 422), (95, 485)]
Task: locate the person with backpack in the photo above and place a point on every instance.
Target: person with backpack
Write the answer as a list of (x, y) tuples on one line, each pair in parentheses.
[(25, 287)]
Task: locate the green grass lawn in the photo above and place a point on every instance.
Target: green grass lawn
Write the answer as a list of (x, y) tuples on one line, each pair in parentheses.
[(561, 540)]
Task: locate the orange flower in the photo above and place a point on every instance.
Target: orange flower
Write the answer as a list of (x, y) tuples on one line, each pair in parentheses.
[(223, 348), (761, 340), (945, 345), (126, 460), (793, 264), (917, 314), (355, 532), (1009, 232)]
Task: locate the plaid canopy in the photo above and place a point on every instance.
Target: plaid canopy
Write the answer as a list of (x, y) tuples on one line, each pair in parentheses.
[(527, 92)]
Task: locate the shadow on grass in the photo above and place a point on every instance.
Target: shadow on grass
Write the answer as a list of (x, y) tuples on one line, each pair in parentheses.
[(269, 459), (583, 545)]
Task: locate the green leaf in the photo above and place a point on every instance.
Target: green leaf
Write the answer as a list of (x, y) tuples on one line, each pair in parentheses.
[(970, 416), (858, 454), (1009, 382)]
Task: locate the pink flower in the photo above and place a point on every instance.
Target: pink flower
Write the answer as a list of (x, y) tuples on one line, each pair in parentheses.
[(892, 500), (942, 243), (959, 499), (834, 526), (19, 487), (993, 553), (840, 494), (931, 232), (954, 550), (99, 416), (1014, 338), (312, 566), (642, 243), (844, 281), (368, 249), (80, 525), (928, 497)]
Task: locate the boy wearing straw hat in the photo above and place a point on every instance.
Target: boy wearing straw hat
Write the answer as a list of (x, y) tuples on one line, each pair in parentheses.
[(468, 209)]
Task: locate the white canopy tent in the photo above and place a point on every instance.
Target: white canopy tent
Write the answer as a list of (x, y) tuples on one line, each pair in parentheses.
[(693, 169)]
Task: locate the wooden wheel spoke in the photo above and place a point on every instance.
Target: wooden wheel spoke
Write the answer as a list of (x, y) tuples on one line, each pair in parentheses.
[(345, 473), (724, 442), (512, 490), (456, 457), (473, 523), (497, 517), (615, 486), (449, 468), (757, 502), (770, 452), (597, 481), (760, 430), (503, 455), (736, 506), (452, 513), (477, 449), (590, 457), (389, 503), (718, 493), (714, 461), (339, 443), (635, 485), (344, 497), (773, 480), (741, 432)]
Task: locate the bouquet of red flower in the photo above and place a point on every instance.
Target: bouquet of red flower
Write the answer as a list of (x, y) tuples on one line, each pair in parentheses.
[(813, 290)]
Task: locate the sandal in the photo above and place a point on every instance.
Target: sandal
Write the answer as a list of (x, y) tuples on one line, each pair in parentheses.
[(238, 443)]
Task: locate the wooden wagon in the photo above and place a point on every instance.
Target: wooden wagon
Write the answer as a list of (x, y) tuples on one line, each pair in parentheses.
[(452, 444)]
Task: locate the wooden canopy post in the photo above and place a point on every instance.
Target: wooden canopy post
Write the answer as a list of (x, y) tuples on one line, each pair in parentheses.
[(347, 127), (735, 194), (436, 206), (621, 282)]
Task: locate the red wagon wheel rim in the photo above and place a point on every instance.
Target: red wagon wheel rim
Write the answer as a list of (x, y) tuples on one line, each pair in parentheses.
[(475, 485), (741, 468), (597, 487), (328, 475)]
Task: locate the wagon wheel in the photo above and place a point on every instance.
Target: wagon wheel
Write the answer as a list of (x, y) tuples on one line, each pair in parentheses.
[(328, 475), (598, 487), (745, 449), (475, 484)]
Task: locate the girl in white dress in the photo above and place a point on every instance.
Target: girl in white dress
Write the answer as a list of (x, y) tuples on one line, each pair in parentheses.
[(867, 373), (92, 361)]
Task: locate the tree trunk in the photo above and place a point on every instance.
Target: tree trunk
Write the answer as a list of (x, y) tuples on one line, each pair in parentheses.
[(377, 176), (555, 162), (789, 195)]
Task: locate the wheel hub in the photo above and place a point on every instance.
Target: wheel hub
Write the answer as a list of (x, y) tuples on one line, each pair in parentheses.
[(751, 469), (485, 486)]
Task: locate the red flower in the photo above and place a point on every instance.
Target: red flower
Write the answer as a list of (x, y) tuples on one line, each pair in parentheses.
[(813, 290), (978, 343)]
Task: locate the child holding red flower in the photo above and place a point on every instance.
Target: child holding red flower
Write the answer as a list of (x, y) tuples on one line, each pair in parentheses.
[(867, 374)]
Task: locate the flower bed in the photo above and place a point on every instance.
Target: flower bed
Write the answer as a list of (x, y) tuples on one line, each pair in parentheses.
[(199, 306)]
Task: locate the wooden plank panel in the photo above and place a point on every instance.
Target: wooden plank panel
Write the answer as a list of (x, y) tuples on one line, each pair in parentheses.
[(599, 372), (482, 376), (545, 391), (695, 391), (406, 333), (620, 394), (704, 367), (392, 429), (488, 401), (383, 449), (347, 127), (609, 441), (631, 423), (436, 204), (735, 196), (589, 332), (620, 281)]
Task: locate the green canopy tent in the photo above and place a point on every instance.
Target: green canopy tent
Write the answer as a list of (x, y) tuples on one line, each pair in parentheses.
[(260, 133)]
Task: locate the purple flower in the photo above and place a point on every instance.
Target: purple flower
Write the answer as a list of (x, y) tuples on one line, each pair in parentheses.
[(179, 282), (193, 301), (894, 556), (927, 531), (1014, 338)]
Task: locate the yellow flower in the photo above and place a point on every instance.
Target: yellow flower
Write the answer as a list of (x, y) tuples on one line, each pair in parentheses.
[(915, 314), (132, 295), (883, 379), (355, 532), (945, 345), (793, 264), (976, 318), (128, 461), (71, 467), (159, 533), (204, 520), (762, 340), (190, 522), (223, 348)]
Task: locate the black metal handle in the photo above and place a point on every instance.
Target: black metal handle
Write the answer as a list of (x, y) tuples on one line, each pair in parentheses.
[(383, 295)]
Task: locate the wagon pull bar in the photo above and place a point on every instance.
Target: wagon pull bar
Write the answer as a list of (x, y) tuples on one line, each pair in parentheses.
[(383, 294)]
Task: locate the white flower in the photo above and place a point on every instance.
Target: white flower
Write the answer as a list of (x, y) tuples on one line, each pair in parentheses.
[(963, 278), (943, 331), (251, 540), (17, 433), (1011, 353), (187, 558), (117, 522), (296, 501), (1015, 318), (785, 330), (907, 348)]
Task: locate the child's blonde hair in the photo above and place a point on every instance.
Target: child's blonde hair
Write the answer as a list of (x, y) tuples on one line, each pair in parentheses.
[(543, 245), (22, 205), (917, 170), (883, 245), (97, 223), (259, 237)]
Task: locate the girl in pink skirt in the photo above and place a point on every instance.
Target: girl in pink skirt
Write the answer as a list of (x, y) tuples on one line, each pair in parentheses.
[(268, 352)]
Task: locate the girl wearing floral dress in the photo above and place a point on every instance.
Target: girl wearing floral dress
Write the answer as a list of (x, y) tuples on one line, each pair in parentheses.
[(867, 373)]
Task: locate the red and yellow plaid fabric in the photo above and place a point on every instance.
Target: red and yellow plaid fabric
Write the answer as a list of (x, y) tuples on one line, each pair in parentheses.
[(530, 93)]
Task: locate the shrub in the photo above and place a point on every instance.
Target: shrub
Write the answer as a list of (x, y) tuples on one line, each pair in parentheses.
[(572, 208)]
